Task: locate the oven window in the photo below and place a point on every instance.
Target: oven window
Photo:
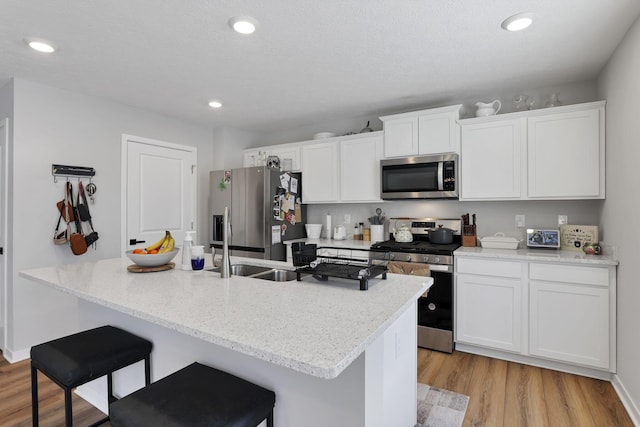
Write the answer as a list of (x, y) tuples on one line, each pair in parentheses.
[(436, 309), (410, 178)]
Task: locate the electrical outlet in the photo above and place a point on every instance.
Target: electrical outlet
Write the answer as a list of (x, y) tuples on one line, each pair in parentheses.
[(347, 218), (520, 221), (562, 220)]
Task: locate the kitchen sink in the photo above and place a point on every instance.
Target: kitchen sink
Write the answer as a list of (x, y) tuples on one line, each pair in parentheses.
[(257, 272), (277, 275)]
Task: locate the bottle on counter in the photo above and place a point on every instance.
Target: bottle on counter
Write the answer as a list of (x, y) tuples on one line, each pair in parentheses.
[(186, 250)]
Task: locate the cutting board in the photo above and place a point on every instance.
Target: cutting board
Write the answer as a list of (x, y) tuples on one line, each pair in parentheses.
[(135, 268), (573, 237)]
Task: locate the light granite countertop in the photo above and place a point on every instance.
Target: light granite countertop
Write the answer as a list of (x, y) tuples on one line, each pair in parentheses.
[(544, 255), (317, 328)]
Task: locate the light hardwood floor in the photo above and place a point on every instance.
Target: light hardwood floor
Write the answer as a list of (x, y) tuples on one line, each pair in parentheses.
[(501, 394), (511, 394)]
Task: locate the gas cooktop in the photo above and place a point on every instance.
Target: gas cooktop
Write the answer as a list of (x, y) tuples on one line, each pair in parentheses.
[(417, 246)]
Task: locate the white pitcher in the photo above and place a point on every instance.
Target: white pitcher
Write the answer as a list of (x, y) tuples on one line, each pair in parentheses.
[(488, 109)]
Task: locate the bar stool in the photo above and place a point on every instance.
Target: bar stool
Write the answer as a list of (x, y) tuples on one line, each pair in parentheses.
[(194, 396), (79, 358)]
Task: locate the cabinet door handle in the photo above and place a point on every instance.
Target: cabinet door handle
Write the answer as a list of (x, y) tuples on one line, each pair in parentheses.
[(135, 241)]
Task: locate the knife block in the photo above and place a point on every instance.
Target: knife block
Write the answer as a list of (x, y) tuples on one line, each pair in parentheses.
[(469, 237)]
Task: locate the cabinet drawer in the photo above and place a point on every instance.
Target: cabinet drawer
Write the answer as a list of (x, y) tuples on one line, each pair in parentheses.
[(489, 267), (598, 276)]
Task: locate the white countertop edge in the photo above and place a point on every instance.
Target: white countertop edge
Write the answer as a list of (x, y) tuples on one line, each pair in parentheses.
[(543, 255), (303, 367)]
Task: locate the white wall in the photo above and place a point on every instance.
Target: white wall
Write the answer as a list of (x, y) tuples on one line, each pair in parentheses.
[(57, 126), (492, 217), (570, 93), (231, 142), (620, 85)]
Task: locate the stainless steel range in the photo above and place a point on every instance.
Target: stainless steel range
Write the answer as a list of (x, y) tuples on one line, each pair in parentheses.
[(435, 309)]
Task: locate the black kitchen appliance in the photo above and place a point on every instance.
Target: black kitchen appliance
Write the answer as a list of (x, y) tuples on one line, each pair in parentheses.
[(435, 309)]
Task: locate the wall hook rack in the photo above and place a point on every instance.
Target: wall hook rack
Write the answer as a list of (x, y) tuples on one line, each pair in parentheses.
[(71, 171)]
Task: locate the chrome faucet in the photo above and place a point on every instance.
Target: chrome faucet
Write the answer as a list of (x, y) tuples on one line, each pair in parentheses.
[(225, 267)]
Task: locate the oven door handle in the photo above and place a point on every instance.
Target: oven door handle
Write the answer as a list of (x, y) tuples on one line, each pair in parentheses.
[(440, 267)]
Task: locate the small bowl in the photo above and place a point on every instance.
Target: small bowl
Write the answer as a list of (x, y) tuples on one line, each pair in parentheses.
[(322, 135), (151, 260)]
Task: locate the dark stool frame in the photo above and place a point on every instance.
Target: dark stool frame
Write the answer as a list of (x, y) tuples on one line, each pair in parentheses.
[(196, 395), (68, 411)]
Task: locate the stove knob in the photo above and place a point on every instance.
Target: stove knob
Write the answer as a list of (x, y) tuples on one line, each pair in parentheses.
[(408, 257), (426, 259), (436, 260), (431, 306)]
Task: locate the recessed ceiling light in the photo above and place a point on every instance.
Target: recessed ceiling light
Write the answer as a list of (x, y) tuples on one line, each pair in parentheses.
[(518, 22), (243, 24), (215, 104), (41, 45)]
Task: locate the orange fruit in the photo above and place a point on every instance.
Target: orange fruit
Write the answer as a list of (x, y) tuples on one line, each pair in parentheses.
[(139, 251), (153, 251)]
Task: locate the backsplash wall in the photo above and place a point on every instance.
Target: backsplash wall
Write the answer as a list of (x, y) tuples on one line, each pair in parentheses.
[(492, 217)]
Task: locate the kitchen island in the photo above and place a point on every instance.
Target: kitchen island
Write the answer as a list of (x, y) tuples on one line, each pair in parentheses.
[(334, 355)]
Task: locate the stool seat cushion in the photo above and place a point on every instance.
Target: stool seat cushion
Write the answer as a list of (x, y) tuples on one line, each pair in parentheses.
[(194, 396), (76, 359)]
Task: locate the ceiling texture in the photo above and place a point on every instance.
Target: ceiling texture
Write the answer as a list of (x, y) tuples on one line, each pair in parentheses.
[(309, 61)]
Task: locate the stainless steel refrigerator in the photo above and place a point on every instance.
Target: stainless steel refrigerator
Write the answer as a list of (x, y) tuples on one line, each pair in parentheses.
[(265, 209)]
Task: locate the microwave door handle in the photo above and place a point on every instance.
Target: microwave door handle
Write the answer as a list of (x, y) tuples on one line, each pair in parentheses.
[(440, 176)]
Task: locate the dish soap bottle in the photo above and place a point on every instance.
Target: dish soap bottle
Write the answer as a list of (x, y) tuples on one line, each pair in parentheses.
[(186, 250)]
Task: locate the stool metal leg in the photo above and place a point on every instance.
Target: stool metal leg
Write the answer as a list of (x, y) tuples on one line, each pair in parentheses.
[(147, 370), (34, 395), (270, 419), (68, 411)]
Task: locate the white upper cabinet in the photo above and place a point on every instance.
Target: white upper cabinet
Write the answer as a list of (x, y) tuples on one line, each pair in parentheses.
[(490, 160), (423, 132), (360, 169), (400, 136), (342, 170), (553, 153), (565, 155), (320, 172), (283, 151)]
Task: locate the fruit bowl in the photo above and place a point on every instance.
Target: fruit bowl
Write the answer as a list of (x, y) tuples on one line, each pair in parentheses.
[(151, 260)]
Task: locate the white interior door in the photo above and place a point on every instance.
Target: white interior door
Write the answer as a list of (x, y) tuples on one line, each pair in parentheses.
[(159, 190), (4, 141)]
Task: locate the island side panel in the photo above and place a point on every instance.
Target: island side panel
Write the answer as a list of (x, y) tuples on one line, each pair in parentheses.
[(391, 374), (300, 399)]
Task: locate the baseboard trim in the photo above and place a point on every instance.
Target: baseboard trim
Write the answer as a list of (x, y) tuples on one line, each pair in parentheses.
[(534, 361), (625, 398), (16, 356)]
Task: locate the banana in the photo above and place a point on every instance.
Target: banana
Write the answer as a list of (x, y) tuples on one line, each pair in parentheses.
[(168, 245), (159, 243)]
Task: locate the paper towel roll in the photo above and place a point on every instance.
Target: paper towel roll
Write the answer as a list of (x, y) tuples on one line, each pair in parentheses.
[(327, 226)]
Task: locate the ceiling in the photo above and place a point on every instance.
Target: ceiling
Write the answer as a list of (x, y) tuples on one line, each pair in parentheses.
[(309, 61)]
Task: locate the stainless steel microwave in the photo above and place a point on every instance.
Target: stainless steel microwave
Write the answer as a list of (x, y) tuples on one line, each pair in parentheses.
[(421, 177)]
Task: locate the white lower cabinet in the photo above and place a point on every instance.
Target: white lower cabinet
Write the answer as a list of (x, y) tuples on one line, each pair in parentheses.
[(569, 317), (545, 311), (490, 311), (488, 303)]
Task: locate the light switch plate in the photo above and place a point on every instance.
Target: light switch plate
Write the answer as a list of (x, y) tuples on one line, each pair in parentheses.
[(520, 221), (562, 220)]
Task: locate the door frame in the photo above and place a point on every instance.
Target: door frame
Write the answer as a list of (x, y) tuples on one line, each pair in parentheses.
[(4, 220), (126, 139)]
